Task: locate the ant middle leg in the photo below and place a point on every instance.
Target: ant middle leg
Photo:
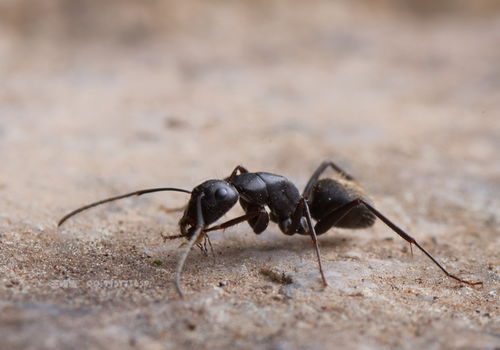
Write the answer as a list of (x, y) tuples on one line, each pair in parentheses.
[(296, 225)]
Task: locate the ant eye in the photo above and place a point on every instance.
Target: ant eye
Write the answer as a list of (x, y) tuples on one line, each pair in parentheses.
[(220, 193)]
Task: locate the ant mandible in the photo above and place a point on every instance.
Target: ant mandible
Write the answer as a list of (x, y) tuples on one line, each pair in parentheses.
[(331, 202)]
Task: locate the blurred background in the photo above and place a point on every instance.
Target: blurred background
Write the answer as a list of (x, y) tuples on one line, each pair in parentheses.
[(167, 90)]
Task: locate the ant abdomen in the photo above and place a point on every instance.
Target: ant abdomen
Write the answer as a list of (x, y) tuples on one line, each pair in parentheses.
[(330, 194)]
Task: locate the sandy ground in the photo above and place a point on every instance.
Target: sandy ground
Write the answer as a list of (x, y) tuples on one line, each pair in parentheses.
[(409, 105)]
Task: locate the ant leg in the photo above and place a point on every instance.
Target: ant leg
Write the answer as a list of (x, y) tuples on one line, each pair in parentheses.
[(233, 222), (259, 223), (314, 239), (302, 210), (165, 237), (210, 244), (200, 224), (200, 229), (337, 214), (236, 221), (203, 246), (332, 218), (321, 169), (239, 168), (224, 225)]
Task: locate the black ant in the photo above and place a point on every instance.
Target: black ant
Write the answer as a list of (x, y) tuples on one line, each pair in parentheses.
[(331, 202)]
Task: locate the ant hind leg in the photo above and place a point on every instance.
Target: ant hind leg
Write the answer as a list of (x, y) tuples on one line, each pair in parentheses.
[(321, 169)]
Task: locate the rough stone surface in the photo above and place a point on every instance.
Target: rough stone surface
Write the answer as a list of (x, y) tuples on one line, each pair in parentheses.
[(105, 99)]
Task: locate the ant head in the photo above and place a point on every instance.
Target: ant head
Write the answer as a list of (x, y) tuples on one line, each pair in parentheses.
[(218, 197)]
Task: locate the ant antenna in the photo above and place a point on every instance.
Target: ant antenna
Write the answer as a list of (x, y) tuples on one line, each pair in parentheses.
[(136, 193), (200, 224)]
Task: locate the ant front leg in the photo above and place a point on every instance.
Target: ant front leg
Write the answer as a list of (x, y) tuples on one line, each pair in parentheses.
[(260, 222), (259, 215), (321, 169), (325, 223)]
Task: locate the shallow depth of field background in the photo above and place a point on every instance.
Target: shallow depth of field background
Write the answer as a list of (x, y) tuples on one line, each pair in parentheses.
[(99, 98)]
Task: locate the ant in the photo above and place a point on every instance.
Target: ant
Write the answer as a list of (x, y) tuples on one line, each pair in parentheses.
[(331, 202)]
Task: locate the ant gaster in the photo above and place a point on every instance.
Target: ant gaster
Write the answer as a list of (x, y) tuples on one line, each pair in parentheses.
[(331, 202)]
